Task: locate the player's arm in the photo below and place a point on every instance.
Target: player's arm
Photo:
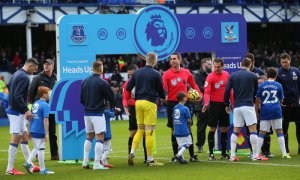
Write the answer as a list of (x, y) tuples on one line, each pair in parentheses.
[(46, 126), (109, 95), (207, 91), (227, 95), (160, 88), (188, 118), (82, 98), (33, 89), (165, 84), (126, 97), (131, 83), (257, 106), (46, 110)]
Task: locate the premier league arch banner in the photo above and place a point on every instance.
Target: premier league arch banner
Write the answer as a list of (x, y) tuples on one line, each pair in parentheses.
[(154, 28)]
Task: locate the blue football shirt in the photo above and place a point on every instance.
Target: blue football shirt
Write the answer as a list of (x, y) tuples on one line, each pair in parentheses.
[(40, 110), (270, 94), (181, 114)]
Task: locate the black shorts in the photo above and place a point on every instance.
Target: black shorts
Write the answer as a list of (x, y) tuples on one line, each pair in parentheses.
[(170, 107), (217, 115), (132, 118), (291, 114)]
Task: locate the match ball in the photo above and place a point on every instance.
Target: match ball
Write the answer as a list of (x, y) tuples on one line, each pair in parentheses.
[(193, 95)]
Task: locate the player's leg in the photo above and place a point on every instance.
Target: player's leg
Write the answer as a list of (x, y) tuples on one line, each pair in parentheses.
[(201, 130), (24, 141), (193, 157), (213, 116), (16, 125), (224, 122), (183, 143), (150, 120), (90, 134), (296, 115), (99, 125), (28, 163), (286, 113), (264, 126), (106, 151), (238, 123), (170, 107), (132, 126), (41, 154), (53, 138), (277, 125)]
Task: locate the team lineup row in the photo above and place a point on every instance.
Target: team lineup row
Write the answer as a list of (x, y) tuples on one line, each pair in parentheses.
[(222, 93)]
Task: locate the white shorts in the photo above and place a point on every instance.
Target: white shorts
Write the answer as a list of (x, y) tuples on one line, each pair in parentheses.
[(38, 144), (181, 141), (17, 124), (265, 125), (242, 115), (107, 146), (95, 124)]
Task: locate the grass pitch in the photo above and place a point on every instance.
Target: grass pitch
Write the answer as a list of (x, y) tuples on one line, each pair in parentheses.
[(275, 168)]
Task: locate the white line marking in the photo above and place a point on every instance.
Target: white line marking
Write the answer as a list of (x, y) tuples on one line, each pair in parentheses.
[(226, 162)]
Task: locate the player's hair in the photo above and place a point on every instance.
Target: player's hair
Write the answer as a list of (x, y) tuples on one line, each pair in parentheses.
[(204, 60), (285, 56), (263, 77), (246, 62), (42, 90), (151, 57), (250, 56), (180, 96), (32, 61), (219, 60), (177, 54), (272, 72), (97, 65), (132, 67)]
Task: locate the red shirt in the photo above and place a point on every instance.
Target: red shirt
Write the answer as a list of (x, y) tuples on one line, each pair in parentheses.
[(127, 98), (214, 87), (175, 81)]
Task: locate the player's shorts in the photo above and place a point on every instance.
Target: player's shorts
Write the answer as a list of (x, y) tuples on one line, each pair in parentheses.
[(217, 115), (107, 146), (184, 140), (265, 125), (244, 114), (132, 118), (17, 125), (170, 107), (146, 112), (95, 124), (291, 114), (38, 143)]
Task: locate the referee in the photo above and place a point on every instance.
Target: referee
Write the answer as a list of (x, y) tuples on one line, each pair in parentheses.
[(148, 86), (176, 79)]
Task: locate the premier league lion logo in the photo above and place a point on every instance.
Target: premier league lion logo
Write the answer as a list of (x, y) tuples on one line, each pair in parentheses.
[(156, 31)]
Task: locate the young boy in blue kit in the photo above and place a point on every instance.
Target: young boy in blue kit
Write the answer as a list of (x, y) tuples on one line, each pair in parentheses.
[(181, 122), (39, 130)]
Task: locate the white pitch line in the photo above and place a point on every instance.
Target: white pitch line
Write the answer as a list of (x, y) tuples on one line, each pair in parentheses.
[(227, 162)]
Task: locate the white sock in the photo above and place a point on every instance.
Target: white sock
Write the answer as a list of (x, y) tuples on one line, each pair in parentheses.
[(233, 141), (149, 158), (104, 157), (87, 148), (25, 149), (41, 154), (260, 141), (98, 152), (12, 153), (280, 138), (32, 155), (253, 140), (181, 151)]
